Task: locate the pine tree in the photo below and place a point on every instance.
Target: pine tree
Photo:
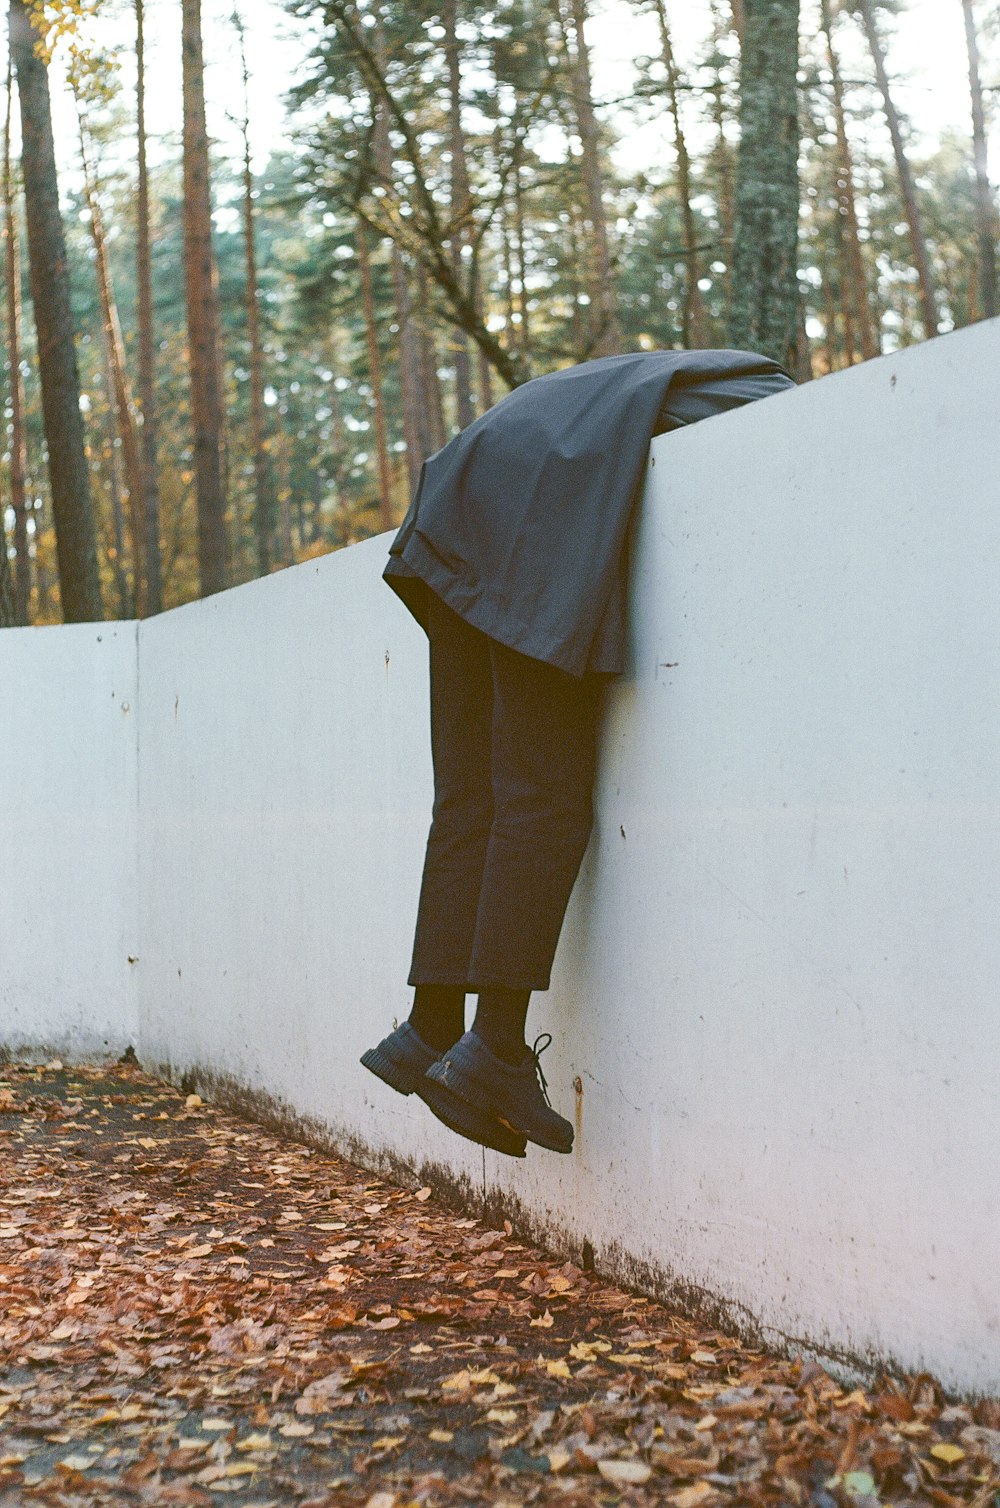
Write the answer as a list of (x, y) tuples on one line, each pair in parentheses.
[(986, 213), (18, 449), (765, 315), (265, 507), (146, 339), (69, 478), (204, 339), (911, 208)]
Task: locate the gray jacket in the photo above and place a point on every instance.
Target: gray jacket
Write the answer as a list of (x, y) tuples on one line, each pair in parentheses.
[(520, 522)]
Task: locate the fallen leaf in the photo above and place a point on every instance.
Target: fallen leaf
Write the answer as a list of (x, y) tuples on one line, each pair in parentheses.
[(860, 1484), (323, 1395), (625, 1473), (692, 1497), (589, 1350), (949, 1453)]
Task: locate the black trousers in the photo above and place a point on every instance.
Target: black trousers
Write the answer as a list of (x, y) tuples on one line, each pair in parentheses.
[(514, 746)]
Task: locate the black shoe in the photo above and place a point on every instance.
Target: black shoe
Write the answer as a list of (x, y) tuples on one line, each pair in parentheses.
[(516, 1095), (402, 1059)]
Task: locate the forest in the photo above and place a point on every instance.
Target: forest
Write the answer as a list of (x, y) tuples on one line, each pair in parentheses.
[(215, 366)]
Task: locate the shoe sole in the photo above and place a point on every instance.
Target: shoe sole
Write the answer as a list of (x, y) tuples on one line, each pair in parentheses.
[(455, 1113), (459, 1116), (389, 1070), (466, 1087)]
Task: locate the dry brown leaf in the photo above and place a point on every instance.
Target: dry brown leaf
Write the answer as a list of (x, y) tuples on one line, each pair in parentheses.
[(697, 1496), (625, 1473)]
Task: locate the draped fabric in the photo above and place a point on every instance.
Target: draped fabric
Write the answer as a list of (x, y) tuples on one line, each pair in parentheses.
[(520, 522)]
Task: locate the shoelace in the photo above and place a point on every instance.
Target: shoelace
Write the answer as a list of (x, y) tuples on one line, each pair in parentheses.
[(545, 1038)]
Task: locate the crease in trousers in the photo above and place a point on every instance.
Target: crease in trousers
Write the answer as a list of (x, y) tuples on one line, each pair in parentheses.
[(514, 746)]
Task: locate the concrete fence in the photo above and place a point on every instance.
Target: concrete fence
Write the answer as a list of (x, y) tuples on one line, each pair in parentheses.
[(777, 995)]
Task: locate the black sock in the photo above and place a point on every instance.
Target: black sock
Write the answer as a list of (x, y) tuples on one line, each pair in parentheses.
[(438, 1014), (500, 1018)]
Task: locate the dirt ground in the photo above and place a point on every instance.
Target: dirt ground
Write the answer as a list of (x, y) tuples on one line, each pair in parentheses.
[(194, 1310)]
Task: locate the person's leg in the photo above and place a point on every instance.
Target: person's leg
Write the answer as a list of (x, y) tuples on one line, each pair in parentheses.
[(461, 684), (545, 726), (461, 735)]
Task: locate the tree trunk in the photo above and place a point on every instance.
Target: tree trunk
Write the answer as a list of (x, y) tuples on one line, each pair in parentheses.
[(693, 310), (147, 359), (433, 408), (126, 599), (202, 298), (406, 341), (383, 470), (337, 434), (265, 502), (284, 498), (8, 606), (764, 314), (847, 300), (986, 212), (410, 396), (18, 448), (114, 346), (829, 326), (460, 208), (605, 331), (857, 301), (721, 165), (911, 210), (523, 328), (76, 540), (485, 383)]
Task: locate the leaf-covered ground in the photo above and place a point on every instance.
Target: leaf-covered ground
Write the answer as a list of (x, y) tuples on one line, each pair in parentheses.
[(192, 1310)]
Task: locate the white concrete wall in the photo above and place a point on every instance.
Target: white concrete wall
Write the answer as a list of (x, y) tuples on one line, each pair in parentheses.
[(780, 986), (68, 838), (778, 983), (285, 782)]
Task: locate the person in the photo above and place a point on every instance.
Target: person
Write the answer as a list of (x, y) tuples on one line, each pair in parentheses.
[(514, 559)]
